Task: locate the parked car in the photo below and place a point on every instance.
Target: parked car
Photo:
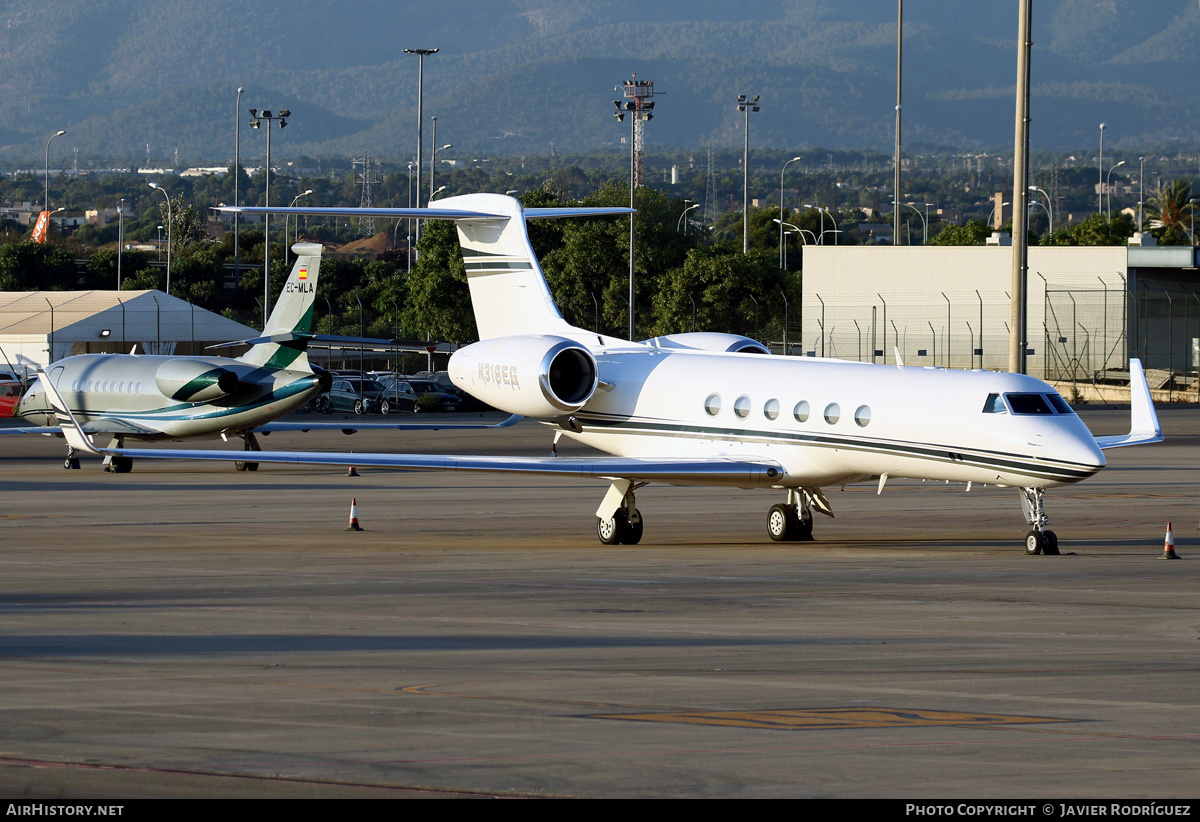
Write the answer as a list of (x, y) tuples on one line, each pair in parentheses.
[(429, 396), (357, 395)]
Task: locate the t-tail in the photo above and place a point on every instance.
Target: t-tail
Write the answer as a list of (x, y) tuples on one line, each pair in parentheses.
[(284, 341), (508, 290)]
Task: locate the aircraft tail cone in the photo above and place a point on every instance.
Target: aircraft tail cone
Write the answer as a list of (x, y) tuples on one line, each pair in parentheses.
[(354, 526), (1169, 545), (352, 471)]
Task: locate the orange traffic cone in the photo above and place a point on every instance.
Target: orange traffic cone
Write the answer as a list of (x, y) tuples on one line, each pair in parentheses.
[(1169, 545), (354, 526), (352, 471)]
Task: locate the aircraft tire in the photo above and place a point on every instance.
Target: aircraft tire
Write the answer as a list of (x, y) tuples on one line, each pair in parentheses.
[(611, 531), (252, 466), (804, 529), (779, 523), (239, 466), (1035, 543), (1051, 547), (633, 530), (122, 465)]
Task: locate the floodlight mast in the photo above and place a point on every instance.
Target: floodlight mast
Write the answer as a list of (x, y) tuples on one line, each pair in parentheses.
[(257, 117)]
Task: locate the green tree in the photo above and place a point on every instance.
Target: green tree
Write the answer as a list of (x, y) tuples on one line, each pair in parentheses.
[(1096, 229), (718, 286), (28, 266), (973, 233), (439, 303), (1171, 213)]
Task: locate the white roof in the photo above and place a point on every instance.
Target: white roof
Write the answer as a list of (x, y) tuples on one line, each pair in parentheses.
[(82, 315)]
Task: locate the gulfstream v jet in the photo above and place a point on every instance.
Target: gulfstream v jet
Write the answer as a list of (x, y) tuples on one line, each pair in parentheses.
[(718, 409)]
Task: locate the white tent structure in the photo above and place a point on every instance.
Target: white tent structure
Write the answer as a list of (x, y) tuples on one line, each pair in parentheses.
[(39, 327)]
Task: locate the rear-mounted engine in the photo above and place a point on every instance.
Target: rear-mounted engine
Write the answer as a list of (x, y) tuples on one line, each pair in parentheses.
[(536, 376), (194, 380)]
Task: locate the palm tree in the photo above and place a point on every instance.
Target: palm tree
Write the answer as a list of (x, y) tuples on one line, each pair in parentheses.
[(1171, 212)]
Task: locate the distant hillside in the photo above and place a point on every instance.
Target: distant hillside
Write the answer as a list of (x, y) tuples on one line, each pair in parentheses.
[(516, 76)]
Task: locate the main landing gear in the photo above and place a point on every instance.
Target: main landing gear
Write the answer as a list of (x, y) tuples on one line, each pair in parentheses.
[(72, 460), (1040, 540), (793, 521), (249, 443), (117, 465), (623, 526)]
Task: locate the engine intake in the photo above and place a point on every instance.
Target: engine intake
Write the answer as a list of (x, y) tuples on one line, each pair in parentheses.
[(536, 376)]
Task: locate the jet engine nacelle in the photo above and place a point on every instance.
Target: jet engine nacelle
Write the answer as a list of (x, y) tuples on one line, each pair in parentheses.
[(535, 376), (711, 341), (194, 380)]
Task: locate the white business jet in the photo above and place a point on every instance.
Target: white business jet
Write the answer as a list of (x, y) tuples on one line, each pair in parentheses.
[(717, 409)]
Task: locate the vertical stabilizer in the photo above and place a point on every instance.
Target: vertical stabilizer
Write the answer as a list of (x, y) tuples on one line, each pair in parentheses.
[(292, 315), (508, 291)]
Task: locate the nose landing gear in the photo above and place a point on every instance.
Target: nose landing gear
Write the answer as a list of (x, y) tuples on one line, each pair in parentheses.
[(1040, 540)]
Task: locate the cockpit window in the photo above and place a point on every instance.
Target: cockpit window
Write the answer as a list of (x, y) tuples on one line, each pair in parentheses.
[(1060, 405), (994, 405), (1028, 404)]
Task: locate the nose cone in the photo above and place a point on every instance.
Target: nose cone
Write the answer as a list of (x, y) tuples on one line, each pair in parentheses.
[(1075, 445), (34, 401)]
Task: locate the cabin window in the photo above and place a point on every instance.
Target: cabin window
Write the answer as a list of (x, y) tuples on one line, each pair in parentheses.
[(1028, 404), (712, 405), (801, 411), (742, 407), (833, 413), (862, 416), (771, 409), (994, 405)]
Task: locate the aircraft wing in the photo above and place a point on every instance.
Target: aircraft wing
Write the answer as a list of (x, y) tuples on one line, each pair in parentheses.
[(719, 471), (350, 428), (25, 429), (706, 471), (1144, 427)]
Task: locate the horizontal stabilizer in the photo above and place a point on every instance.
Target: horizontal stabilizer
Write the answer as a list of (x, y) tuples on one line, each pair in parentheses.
[(433, 213)]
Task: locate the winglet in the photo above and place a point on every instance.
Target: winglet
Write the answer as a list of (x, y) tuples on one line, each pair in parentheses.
[(71, 429), (1144, 427)]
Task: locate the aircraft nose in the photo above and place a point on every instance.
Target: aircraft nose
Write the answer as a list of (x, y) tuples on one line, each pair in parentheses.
[(1078, 447)]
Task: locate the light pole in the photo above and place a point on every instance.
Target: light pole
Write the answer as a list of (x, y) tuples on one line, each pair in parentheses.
[(782, 253), (993, 211), (924, 224), (1100, 194), (899, 66), (421, 54), (1141, 188), (46, 204), (683, 215), (433, 157), (408, 239), (800, 231), (1108, 184), (120, 237), (286, 247), (1049, 209), (630, 107), (237, 178), (256, 122), (160, 190), (160, 228), (746, 106)]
